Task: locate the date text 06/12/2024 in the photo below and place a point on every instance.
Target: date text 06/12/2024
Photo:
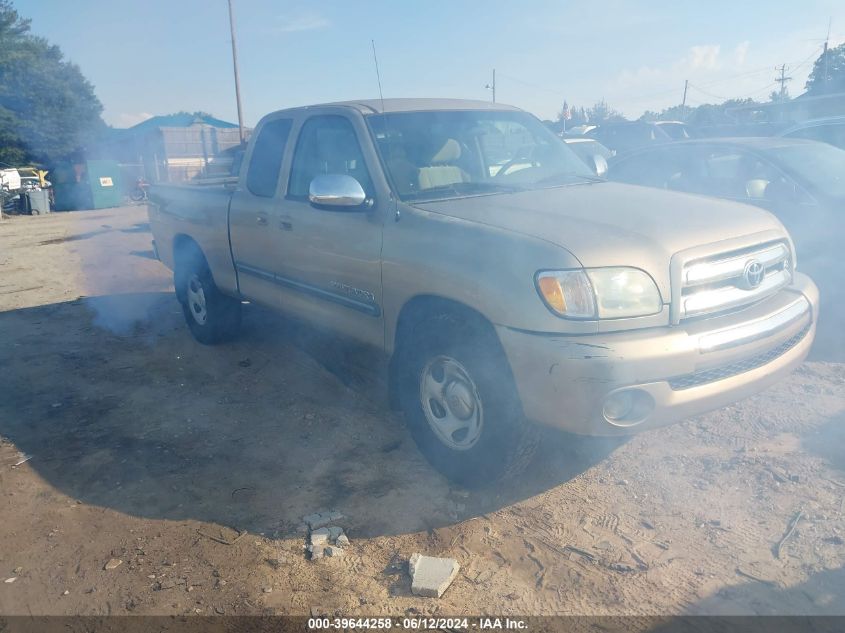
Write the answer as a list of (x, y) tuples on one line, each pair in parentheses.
[(421, 623)]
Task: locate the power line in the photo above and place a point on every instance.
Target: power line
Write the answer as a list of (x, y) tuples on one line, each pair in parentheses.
[(748, 73), (753, 92), (699, 87), (709, 94), (758, 71), (766, 88), (808, 58)]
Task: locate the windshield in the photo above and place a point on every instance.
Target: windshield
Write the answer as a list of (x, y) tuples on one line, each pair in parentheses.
[(444, 154), (676, 131), (819, 165), (586, 150)]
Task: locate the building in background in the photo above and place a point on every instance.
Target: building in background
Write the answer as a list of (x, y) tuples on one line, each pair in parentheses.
[(173, 148)]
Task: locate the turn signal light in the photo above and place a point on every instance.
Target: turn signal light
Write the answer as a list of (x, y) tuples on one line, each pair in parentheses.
[(552, 293)]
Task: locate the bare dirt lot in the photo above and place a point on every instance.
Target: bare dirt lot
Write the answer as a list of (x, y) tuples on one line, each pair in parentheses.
[(151, 449)]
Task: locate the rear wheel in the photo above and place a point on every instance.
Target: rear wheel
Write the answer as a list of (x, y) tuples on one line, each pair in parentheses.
[(461, 404), (211, 316)]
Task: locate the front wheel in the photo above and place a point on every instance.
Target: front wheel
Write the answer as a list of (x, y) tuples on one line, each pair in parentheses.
[(461, 404), (211, 316)]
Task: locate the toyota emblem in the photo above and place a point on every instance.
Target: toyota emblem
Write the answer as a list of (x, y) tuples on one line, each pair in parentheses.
[(753, 273)]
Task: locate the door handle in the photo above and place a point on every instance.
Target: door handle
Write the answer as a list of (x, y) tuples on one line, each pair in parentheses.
[(285, 223), (261, 219)]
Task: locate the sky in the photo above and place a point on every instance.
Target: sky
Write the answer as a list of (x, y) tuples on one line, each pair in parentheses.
[(149, 57)]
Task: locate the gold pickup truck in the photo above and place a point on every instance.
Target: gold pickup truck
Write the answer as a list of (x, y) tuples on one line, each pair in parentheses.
[(503, 281)]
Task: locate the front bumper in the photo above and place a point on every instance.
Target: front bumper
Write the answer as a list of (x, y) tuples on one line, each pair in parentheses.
[(668, 373)]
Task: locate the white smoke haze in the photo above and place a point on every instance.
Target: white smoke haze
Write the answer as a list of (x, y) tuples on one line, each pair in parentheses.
[(168, 451)]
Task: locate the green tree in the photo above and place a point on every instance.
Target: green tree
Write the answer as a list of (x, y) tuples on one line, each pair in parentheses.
[(598, 113), (48, 110), (828, 74), (602, 113), (709, 113)]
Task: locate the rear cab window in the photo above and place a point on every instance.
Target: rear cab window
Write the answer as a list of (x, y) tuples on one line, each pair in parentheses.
[(262, 175)]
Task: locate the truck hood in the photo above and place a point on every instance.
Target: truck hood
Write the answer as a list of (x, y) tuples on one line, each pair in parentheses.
[(613, 224)]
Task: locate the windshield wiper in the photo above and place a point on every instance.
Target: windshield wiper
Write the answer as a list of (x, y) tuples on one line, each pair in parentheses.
[(571, 179), (468, 188)]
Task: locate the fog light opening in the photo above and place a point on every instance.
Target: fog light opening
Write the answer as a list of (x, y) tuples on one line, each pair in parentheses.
[(618, 405), (627, 407)]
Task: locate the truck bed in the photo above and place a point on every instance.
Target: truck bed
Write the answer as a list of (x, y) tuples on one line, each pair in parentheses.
[(198, 213)]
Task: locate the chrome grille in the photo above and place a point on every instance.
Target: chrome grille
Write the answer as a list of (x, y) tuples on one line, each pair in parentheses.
[(747, 364), (734, 279)]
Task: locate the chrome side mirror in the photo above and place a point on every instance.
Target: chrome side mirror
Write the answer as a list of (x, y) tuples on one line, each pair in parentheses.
[(336, 190), (599, 165)]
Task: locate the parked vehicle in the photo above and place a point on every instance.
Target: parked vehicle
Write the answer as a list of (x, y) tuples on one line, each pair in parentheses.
[(801, 182), (591, 152), (677, 130), (622, 137), (580, 130), (501, 279), (828, 130)]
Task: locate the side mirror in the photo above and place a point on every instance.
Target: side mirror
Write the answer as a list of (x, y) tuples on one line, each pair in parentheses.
[(336, 190), (599, 165)]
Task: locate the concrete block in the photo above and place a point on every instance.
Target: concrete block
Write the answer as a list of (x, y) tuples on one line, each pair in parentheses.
[(342, 540), (431, 576), (334, 532), (334, 551), (319, 537)]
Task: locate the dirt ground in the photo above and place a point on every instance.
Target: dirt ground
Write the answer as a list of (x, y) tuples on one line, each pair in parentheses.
[(144, 444)]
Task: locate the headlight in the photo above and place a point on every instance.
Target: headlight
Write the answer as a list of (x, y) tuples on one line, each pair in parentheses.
[(603, 293)]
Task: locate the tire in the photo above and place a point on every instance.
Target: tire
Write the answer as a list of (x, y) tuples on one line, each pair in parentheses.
[(211, 316), (455, 374)]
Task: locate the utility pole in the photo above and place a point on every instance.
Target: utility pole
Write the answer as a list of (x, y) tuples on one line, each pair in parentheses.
[(237, 75), (782, 81), (824, 54), (684, 101), (492, 86)]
